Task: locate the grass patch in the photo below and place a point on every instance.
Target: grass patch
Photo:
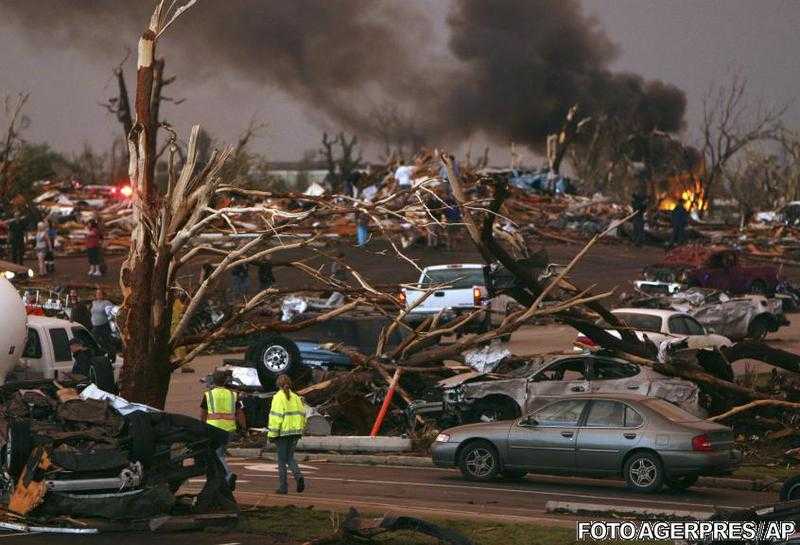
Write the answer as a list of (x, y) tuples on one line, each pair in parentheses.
[(295, 525), (763, 472)]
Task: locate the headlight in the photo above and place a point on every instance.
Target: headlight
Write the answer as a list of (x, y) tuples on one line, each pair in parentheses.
[(30, 273), (9, 274), (442, 438)]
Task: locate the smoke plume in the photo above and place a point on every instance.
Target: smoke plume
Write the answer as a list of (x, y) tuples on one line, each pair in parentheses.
[(511, 70)]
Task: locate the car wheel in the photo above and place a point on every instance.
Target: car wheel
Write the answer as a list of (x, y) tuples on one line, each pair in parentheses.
[(644, 472), (758, 287), (273, 356), (790, 491), (514, 474), (681, 483), (479, 461), (758, 328), (494, 410)]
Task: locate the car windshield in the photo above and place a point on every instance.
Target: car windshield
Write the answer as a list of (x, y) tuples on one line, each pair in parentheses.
[(669, 411), (639, 322), (455, 278)]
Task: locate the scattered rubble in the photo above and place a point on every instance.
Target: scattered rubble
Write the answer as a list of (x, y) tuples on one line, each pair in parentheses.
[(76, 452)]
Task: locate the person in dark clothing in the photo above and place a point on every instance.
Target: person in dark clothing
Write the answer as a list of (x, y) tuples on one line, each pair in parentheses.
[(16, 238), (265, 276), (679, 220), (78, 311), (639, 205), (82, 358), (240, 277)]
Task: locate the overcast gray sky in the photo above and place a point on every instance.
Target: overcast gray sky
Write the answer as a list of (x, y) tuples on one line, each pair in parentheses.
[(687, 43)]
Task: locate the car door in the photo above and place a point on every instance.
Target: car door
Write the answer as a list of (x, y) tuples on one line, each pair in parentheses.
[(32, 361), (611, 428), (608, 376), (545, 439), (561, 378)]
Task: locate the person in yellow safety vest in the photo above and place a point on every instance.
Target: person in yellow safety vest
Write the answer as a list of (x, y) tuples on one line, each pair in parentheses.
[(221, 408), (287, 422)]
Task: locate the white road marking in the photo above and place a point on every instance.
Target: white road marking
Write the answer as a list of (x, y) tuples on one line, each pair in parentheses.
[(273, 468), (533, 492), (203, 480)]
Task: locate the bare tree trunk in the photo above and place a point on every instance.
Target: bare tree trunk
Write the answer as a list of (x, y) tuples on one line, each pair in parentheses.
[(145, 375)]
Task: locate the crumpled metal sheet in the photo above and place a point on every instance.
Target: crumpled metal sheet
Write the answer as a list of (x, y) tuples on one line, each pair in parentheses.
[(292, 306), (486, 358), (515, 388), (122, 405)]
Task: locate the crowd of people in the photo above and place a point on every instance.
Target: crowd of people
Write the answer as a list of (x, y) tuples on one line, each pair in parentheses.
[(45, 241)]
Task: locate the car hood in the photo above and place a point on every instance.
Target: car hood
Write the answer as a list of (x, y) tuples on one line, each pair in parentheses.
[(481, 429)]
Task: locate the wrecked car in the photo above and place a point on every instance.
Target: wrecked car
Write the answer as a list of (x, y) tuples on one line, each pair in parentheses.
[(660, 325), (647, 441), (79, 451), (305, 352), (743, 317), (714, 267), (473, 397), (738, 318)]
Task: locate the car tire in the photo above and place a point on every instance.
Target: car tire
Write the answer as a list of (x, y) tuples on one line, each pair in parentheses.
[(644, 472), (273, 356), (681, 483), (514, 474), (494, 410), (759, 328), (18, 448), (790, 491), (479, 461)]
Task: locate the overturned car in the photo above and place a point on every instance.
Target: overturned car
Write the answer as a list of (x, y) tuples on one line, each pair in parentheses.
[(82, 452), (475, 397)]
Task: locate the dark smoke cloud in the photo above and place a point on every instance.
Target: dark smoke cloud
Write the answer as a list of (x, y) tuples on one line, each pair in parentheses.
[(526, 62), (515, 67)]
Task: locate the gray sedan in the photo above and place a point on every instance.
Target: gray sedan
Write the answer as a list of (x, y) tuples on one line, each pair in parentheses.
[(648, 441)]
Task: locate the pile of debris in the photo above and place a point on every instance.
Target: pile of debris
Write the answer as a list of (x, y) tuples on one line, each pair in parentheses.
[(71, 205), (75, 451)]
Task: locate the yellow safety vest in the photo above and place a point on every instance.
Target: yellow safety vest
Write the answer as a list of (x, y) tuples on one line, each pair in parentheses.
[(287, 415), (221, 408)]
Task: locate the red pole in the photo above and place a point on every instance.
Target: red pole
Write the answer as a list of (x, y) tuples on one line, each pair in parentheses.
[(386, 402)]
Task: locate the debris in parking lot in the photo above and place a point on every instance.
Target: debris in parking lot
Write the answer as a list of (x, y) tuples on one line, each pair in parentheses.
[(93, 455)]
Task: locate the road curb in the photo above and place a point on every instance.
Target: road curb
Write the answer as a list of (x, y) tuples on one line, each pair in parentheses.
[(576, 508), (400, 460)]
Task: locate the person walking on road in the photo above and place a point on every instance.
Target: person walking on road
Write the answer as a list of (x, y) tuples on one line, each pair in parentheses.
[(287, 422), (50, 256), (93, 248), (639, 205), (221, 408), (16, 238), (43, 246), (679, 219)]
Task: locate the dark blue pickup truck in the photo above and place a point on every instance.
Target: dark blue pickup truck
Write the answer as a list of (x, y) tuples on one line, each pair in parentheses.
[(300, 353)]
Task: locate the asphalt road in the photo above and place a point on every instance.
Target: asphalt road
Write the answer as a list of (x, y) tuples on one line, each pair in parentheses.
[(422, 492)]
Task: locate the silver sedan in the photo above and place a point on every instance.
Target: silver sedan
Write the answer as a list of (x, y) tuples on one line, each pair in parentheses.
[(648, 441)]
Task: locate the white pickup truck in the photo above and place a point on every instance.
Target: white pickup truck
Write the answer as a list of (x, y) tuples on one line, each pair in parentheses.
[(47, 355), (461, 290)]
